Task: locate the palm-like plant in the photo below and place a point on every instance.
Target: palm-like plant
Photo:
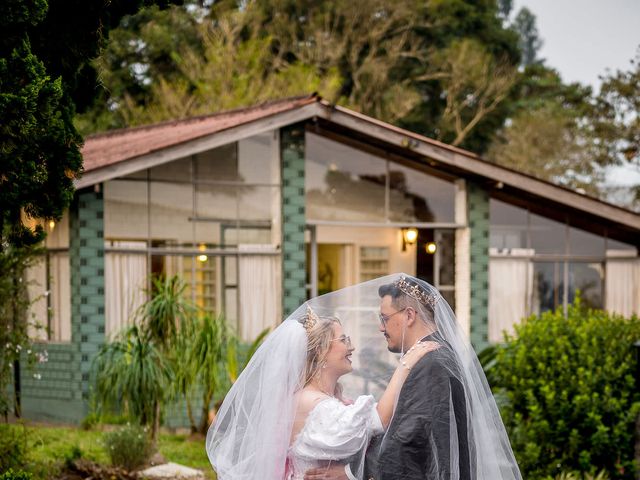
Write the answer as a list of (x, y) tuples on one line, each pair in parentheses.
[(216, 359), (167, 311), (131, 369)]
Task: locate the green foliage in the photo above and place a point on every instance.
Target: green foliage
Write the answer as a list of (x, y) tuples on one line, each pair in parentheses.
[(131, 370), (377, 57), (44, 49), (209, 359), (580, 476), (13, 447), (10, 474), (530, 43), (172, 351), (15, 320), (128, 447), (74, 454), (570, 393), (49, 447), (167, 310)]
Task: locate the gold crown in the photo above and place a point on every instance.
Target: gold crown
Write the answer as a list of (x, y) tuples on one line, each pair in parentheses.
[(415, 291), (309, 320)]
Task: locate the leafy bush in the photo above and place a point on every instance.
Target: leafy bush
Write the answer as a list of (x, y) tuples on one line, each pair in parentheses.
[(579, 476), (129, 447), (568, 393), (13, 447), (10, 474)]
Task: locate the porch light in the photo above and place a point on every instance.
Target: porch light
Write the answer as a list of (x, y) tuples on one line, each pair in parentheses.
[(202, 258), (431, 247), (409, 237), (52, 224)]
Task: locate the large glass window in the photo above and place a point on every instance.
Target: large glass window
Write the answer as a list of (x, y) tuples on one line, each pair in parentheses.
[(548, 286), (509, 226), (588, 279), (343, 183), (196, 217), (546, 235), (348, 185), (564, 260), (417, 197)]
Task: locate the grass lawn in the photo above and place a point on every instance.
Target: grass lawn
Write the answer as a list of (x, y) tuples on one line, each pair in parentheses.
[(48, 446)]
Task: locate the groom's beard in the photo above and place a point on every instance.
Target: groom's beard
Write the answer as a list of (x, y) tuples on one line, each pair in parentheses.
[(392, 349)]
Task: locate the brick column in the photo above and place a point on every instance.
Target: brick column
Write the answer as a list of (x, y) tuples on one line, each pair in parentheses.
[(293, 218), (86, 253), (478, 210)]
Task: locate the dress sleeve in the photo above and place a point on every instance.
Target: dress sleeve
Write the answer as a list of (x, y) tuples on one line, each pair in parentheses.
[(334, 431)]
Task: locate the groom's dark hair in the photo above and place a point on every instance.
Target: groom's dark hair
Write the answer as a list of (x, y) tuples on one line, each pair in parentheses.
[(400, 300)]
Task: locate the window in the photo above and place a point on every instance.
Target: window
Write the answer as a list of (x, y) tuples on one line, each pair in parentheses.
[(196, 217), (374, 262), (509, 226), (348, 185)]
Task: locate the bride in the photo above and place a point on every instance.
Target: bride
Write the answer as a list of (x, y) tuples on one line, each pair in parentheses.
[(435, 417), (249, 438)]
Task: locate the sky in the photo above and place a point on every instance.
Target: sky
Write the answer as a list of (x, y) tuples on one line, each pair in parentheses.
[(584, 38)]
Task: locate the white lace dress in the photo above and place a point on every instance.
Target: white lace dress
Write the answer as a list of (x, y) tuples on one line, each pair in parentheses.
[(333, 432)]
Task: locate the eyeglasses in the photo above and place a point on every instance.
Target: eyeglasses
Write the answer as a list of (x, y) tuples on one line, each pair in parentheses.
[(385, 318), (344, 339)]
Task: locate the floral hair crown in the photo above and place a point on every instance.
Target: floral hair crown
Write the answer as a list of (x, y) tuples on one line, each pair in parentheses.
[(417, 292), (309, 320)]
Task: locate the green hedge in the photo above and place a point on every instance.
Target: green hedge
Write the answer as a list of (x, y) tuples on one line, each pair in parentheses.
[(568, 393)]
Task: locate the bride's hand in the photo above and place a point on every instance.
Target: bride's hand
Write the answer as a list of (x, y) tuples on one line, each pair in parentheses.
[(415, 353)]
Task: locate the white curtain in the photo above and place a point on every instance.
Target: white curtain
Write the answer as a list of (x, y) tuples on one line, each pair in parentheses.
[(259, 290), (622, 285), (51, 297), (60, 291), (510, 287), (125, 277)]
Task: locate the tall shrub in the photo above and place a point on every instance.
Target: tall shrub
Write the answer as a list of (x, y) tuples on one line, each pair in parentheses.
[(569, 392)]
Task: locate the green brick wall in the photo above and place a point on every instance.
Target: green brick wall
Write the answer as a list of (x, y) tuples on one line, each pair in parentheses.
[(293, 218), (478, 210), (62, 391), (86, 253), (57, 395)]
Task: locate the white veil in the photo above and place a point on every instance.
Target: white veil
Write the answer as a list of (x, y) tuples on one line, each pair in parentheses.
[(250, 436)]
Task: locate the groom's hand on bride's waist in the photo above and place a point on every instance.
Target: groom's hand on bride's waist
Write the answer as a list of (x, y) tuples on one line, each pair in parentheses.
[(332, 472)]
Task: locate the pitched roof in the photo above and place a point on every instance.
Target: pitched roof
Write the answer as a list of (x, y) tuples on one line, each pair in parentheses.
[(120, 152), (116, 146)]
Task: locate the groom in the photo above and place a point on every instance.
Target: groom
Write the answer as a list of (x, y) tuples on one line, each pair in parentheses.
[(428, 436)]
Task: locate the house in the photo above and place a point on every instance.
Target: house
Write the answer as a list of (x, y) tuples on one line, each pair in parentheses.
[(260, 208)]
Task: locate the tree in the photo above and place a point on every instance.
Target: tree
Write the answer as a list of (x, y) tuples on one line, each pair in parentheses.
[(132, 370), (45, 49), (548, 133), (224, 72), (548, 143), (371, 56), (530, 42), (39, 157), (474, 85), (616, 122)]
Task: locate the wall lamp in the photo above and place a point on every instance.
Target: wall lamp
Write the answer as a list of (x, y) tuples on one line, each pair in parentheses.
[(409, 237), (431, 247)]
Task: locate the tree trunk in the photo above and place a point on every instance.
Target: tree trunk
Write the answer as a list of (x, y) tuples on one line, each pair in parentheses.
[(204, 420), (192, 421), (155, 425)]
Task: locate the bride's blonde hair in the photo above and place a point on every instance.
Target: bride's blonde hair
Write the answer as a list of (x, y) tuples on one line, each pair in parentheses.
[(319, 337)]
